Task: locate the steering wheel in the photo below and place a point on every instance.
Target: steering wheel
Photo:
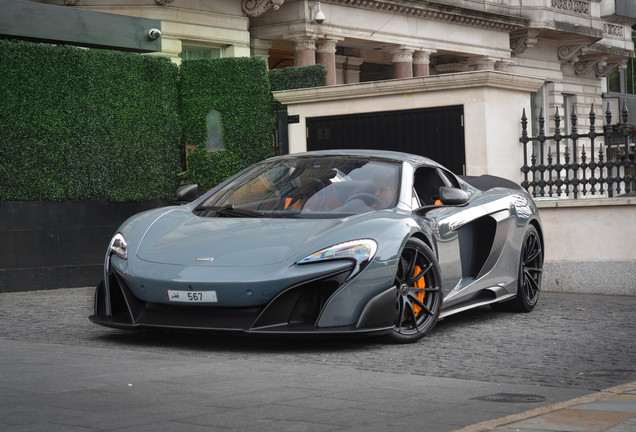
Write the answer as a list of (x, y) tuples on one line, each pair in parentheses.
[(368, 198)]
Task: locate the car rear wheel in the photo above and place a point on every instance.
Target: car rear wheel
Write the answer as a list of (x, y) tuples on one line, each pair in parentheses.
[(418, 292), (529, 274)]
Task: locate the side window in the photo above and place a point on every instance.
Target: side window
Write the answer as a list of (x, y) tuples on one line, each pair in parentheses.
[(449, 179), (427, 182)]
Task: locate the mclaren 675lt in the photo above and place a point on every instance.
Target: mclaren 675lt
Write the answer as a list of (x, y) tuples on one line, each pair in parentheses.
[(326, 243)]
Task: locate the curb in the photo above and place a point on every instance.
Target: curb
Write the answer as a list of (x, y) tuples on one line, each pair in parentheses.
[(513, 418)]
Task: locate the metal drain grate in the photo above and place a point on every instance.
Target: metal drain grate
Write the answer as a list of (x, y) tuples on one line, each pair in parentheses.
[(511, 398)]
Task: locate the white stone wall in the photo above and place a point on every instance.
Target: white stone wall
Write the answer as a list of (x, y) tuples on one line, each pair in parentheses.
[(589, 245)]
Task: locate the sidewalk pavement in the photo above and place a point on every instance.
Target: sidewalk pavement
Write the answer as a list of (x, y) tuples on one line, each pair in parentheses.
[(610, 410)]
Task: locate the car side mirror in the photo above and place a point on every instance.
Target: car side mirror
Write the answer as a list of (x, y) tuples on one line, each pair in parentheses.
[(452, 196), (187, 193)]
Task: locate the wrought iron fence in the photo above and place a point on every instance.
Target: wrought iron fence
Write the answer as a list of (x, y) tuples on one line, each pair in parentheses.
[(560, 165)]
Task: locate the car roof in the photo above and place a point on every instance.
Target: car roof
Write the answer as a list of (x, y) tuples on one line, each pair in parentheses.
[(383, 154)]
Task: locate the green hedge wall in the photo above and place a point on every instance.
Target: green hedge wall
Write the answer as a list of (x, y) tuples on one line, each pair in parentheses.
[(295, 78), (298, 77), (86, 124), (238, 89), (95, 124)]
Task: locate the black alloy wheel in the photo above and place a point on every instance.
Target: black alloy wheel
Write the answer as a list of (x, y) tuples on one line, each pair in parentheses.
[(418, 292), (529, 274), (530, 271)]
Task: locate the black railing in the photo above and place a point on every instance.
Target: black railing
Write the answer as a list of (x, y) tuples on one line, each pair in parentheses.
[(562, 167)]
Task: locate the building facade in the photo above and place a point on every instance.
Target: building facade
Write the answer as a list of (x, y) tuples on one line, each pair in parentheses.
[(581, 48)]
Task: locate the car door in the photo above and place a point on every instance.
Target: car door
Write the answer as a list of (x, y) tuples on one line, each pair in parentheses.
[(469, 237), (462, 233)]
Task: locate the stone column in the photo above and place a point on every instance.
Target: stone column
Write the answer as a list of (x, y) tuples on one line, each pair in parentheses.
[(340, 69), (421, 63), (481, 63), (304, 52), (352, 69), (260, 48), (402, 63), (503, 65), (326, 55)]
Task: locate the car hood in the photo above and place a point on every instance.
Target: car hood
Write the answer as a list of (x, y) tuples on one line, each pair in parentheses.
[(181, 238)]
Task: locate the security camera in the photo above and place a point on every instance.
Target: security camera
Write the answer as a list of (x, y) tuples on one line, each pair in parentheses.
[(320, 17), (154, 34)]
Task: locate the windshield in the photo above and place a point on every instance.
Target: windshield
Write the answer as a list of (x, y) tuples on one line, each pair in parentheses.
[(307, 187)]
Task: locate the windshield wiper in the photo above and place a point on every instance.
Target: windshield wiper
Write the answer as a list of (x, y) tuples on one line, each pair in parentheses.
[(231, 211)]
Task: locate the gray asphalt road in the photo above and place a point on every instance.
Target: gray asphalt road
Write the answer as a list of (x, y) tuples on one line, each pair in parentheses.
[(60, 372)]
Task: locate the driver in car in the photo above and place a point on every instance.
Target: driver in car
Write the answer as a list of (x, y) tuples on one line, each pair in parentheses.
[(385, 193)]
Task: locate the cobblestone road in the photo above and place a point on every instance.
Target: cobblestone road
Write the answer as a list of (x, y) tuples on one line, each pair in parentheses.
[(569, 340)]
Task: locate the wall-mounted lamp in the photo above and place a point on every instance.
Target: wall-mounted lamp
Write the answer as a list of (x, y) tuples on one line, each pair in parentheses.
[(319, 17)]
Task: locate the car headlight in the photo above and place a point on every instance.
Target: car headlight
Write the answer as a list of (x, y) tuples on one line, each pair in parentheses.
[(119, 246), (360, 251)]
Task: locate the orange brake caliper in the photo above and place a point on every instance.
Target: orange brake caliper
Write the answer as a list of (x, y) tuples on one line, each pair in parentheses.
[(420, 283)]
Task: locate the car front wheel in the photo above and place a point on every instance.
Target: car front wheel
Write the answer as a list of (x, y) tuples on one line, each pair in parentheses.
[(418, 292)]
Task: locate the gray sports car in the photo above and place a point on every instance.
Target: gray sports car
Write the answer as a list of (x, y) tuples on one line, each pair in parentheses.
[(326, 243)]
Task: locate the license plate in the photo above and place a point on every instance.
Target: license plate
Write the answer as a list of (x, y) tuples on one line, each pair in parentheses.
[(191, 296)]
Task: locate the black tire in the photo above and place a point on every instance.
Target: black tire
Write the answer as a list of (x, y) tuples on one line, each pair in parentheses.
[(418, 293), (529, 274)]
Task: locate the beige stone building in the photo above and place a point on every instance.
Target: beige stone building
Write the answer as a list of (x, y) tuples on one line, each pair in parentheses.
[(572, 44)]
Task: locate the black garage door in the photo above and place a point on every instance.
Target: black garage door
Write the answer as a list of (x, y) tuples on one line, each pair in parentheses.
[(437, 133)]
